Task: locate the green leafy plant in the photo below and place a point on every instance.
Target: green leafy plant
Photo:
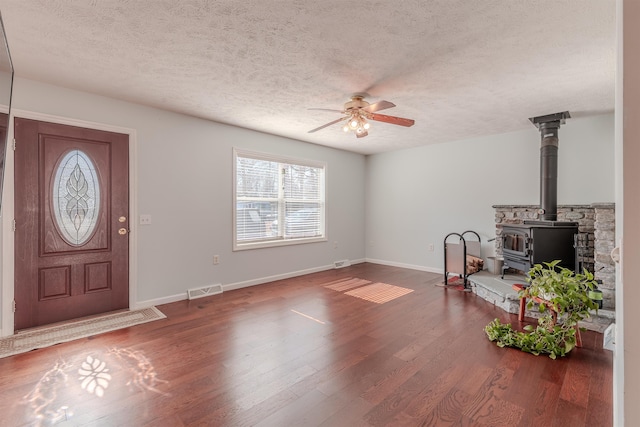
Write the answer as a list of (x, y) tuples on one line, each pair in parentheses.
[(567, 294)]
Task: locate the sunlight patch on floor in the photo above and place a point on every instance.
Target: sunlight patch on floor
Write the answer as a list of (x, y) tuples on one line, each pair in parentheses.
[(366, 290), (346, 284), (379, 292)]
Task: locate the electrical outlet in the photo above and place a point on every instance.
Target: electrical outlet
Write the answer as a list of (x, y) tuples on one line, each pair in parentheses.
[(145, 219), (431, 247), (216, 259)]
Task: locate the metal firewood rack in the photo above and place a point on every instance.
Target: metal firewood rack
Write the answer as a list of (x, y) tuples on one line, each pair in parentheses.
[(458, 253)]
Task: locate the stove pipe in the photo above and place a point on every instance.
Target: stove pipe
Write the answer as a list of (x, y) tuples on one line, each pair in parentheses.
[(548, 126)]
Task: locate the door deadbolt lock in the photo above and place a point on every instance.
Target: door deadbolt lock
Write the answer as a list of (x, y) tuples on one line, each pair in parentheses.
[(122, 231), (122, 219)]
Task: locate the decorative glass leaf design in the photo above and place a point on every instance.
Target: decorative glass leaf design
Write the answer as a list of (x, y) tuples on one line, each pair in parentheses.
[(77, 189), (76, 197)]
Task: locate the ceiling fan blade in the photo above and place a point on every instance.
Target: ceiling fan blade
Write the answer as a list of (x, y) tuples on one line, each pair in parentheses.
[(326, 109), (362, 135), (380, 105), (328, 124), (392, 119)]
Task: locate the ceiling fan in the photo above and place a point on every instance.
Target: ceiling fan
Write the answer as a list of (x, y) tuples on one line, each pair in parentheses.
[(358, 112)]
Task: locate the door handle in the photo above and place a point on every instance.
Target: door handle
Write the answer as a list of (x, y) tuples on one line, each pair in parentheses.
[(123, 231)]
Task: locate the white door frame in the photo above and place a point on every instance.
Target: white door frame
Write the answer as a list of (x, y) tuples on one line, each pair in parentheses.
[(8, 251)]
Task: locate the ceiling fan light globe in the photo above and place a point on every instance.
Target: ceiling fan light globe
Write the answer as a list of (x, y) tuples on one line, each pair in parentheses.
[(353, 124), (366, 125), (345, 128)]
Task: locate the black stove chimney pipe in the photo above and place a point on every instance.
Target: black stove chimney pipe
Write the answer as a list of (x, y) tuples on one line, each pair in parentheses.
[(549, 126)]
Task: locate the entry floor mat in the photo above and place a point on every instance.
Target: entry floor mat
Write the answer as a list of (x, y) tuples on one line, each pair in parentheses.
[(41, 337)]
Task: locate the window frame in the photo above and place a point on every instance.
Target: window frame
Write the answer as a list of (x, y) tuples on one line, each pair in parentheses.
[(279, 240)]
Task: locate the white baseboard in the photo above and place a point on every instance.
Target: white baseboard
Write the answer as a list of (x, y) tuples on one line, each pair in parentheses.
[(239, 285), (403, 265), (159, 301), (261, 280)]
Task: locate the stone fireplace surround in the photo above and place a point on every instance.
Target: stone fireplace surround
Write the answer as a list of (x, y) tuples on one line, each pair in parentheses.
[(596, 236)]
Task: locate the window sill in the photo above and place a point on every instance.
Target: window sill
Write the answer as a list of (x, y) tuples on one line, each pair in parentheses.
[(276, 243)]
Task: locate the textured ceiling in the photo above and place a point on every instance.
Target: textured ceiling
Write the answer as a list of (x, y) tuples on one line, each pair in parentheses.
[(460, 68)]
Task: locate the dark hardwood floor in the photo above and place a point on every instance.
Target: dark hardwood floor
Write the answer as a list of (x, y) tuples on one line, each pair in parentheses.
[(295, 353)]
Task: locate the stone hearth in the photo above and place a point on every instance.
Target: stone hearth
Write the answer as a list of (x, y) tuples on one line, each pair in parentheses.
[(500, 293), (596, 237)]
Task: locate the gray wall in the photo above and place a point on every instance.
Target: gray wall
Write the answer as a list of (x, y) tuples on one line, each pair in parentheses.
[(416, 197), (184, 176)]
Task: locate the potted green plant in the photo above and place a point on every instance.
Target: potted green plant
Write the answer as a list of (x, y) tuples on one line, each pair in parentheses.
[(568, 295)]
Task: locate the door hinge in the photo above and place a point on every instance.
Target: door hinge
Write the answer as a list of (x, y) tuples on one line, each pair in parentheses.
[(14, 306), (14, 144), (13, 225)]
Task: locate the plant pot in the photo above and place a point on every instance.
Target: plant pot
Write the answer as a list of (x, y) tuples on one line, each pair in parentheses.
[(596, 296)]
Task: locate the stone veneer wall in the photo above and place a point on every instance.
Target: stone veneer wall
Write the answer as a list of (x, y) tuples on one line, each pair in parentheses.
[(596, 237)]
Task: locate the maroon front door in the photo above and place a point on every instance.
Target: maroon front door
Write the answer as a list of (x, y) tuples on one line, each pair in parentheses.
[(72, 222)]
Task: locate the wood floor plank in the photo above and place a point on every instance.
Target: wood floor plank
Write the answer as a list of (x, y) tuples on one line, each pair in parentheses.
[(349, 415), (598, 413), (540, 408), (428, 398), (294, 352), (576, 384), (312, 408), (230, 415), (569, 415)]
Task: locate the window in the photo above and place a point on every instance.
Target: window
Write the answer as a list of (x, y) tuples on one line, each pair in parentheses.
[(278, 201), (76, 197)]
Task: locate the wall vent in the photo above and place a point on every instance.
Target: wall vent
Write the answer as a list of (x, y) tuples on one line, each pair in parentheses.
[(342, 263), (204, 291)]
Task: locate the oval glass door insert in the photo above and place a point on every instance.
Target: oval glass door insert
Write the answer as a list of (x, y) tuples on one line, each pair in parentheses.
[(76, 197)]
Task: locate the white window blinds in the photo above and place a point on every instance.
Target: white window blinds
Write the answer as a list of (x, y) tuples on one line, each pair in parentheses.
[(277, 200)]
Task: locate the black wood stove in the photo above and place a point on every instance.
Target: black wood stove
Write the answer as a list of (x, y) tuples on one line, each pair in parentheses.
[(535, 242), (546, 240)]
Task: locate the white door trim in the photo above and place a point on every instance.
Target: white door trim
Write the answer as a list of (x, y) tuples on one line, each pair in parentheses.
[(8, 206)]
